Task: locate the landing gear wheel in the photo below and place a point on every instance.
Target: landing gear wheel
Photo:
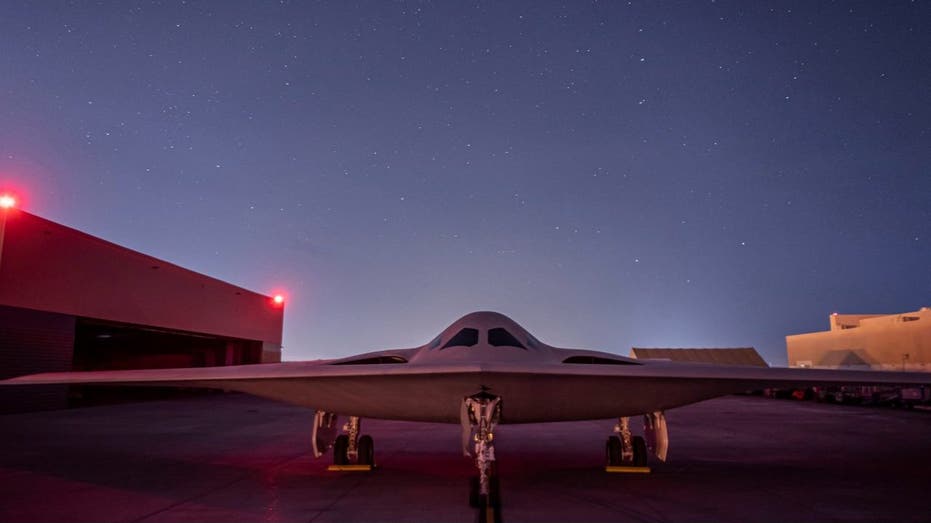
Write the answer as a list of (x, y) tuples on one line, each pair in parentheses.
[(473, 492), (340, 446), (366, 450), (640, 451), (488, 510), (613, 451), (494, 492), (484, 509)]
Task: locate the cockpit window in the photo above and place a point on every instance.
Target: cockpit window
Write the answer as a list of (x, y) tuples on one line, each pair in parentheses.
[(501, 338), (435, 343), (463, 338)]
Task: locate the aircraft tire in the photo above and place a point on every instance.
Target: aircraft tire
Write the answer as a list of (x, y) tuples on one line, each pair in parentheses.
[(340, 446), (494, 491), (487, 513), (366, 450), (473, 492), (483, 509), (613, 450), (640, 451)]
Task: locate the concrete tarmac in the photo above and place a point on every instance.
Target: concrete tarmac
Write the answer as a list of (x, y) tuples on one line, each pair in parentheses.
[(230, 458)]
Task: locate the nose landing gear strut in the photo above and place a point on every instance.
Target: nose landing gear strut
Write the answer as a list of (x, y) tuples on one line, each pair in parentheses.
[(479, 414)]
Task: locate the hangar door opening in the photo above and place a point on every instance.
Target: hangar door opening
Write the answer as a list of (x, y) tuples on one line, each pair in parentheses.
[(101, 345)]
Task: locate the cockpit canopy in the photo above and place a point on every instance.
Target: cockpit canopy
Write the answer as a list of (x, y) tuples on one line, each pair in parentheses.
[(499, 337), (486, 337), (465, 338), (468, 337)]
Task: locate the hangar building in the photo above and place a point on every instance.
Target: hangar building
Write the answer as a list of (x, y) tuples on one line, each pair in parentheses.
[(874, 341), (71, 301)]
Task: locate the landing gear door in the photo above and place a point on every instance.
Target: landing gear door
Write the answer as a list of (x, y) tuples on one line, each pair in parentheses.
[(326, 426), (654, 428)]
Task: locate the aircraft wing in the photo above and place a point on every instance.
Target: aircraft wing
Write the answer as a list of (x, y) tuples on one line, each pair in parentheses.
[(531, 392)]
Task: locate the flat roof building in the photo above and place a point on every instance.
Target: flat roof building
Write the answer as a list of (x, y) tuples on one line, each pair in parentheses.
[(868, 341), (72, 301)]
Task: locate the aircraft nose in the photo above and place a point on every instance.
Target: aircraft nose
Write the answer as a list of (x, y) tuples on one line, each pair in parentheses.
[(486, 352), (480, 352)]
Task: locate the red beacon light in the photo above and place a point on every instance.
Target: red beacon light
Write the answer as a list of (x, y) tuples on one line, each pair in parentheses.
[(7, 201), (278, 300)]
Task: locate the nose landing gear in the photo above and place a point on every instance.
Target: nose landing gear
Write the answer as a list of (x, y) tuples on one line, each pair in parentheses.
[(479, 414)]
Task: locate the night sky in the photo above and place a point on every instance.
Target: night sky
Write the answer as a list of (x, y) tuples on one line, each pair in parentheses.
[(608, 174)]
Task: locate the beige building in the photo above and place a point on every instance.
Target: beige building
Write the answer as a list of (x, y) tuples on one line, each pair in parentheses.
[(877, 341)]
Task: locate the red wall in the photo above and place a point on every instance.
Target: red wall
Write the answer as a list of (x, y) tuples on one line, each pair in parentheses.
[(34, 341), (50, 267)]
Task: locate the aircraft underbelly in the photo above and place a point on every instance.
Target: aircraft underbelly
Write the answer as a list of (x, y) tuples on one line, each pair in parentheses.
[(527, 398)]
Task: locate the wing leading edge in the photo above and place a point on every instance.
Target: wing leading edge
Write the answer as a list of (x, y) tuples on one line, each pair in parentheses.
[(532, 392)]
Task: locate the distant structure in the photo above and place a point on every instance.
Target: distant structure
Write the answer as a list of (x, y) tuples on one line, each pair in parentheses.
[(735, 356), (867, 341), (71, 301)]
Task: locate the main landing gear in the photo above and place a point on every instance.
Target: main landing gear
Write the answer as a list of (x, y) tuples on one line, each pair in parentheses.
[(351, 451), (479, 414), (351, 448), (625, 449), (628, 451)]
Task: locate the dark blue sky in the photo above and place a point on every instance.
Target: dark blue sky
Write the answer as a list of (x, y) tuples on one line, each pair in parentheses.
[(609, 174)]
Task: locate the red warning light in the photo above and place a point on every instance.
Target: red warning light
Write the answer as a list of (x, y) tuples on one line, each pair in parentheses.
[(278, 299), (7, 201)]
